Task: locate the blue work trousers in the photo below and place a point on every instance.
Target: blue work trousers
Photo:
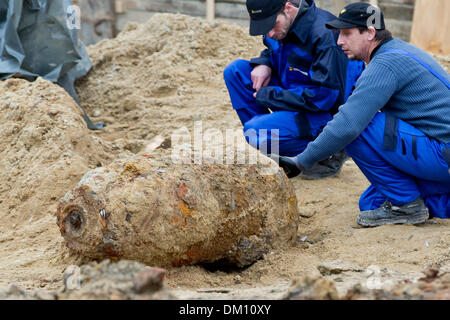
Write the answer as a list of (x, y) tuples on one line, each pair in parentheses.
[(256, 118)]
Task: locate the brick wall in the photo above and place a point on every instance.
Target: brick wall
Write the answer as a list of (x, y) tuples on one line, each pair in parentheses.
[(398, 16), (398, 13)]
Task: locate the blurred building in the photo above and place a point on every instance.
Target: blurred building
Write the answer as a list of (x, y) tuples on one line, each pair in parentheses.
[(105, 18)]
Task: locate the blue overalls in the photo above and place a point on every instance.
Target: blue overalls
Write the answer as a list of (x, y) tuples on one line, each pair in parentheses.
[(402, 163), (311, 78)]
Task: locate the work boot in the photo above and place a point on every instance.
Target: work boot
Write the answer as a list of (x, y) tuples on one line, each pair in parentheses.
[(326, 168), (411, 213)]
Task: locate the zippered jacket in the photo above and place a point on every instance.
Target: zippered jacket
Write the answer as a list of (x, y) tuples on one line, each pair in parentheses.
[(310, 66)]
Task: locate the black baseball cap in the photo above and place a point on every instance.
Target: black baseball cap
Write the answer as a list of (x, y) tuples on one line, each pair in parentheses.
[(263, 15), (358, 14)]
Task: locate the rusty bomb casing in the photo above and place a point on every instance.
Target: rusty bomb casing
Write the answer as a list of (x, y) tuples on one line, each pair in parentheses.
[(166, 214)]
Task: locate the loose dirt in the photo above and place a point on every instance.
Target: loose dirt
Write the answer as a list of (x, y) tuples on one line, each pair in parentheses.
[(153, 80)]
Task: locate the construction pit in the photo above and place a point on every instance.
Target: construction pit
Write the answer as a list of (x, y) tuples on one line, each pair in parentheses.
[(154, 80)]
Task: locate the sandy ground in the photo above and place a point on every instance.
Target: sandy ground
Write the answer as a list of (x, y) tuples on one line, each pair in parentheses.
[(150, 81)]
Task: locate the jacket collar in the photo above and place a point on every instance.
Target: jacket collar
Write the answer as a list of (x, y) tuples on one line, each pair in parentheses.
[(304, 19), (375, 50)]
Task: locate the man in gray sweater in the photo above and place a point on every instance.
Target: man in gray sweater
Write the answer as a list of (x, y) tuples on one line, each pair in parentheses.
[(395, 125)]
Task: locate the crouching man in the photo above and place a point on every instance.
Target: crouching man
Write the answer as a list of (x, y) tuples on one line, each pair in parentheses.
[(395, 125), (297, 83)]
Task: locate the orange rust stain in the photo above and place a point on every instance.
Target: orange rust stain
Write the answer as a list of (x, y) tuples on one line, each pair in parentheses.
[(239, 200), (175, 220), (62, 227), (179, 263), (192, 253), (102, 222), (84, 188), (133, 169), (185, 211), (251, 169), (182, 191), (110, 252)]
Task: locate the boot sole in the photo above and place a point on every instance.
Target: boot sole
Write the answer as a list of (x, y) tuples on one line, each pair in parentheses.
[(413, 219)]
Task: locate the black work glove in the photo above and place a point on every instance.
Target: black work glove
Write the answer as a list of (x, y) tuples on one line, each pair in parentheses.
[(289, 164)]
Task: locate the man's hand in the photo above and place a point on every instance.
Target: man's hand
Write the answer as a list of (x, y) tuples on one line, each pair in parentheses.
[(260, 77), (290, 165)]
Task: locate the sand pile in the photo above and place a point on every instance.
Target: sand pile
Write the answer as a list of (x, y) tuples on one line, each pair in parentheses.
[(166, 73), (45, 149), (152, 79)]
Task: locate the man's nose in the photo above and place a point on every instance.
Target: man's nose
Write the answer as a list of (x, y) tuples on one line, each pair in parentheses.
[(340, 41)]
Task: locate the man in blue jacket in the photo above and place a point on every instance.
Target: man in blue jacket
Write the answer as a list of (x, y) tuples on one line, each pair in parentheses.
[(404, 150), (297, 83)]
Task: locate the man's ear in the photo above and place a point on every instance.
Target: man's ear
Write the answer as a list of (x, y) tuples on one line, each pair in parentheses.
[(371, 32)]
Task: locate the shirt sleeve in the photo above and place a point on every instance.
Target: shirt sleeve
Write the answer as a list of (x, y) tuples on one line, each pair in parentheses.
[(373, 91)]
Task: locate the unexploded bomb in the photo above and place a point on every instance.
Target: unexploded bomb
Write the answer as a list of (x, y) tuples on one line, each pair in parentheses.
[(168, 214)]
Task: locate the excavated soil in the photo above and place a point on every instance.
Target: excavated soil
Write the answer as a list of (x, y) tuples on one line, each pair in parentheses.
[(153, 80)]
